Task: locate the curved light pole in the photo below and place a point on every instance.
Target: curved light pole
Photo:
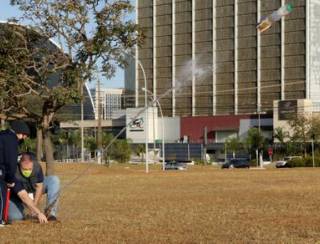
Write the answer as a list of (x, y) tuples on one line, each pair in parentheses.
[(138, 114), (147, 112), (163, 142)]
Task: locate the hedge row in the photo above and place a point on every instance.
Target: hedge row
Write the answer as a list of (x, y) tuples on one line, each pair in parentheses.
[(304, 162)]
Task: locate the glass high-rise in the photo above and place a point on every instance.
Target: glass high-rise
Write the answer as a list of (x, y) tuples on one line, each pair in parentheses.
[(249, 70)]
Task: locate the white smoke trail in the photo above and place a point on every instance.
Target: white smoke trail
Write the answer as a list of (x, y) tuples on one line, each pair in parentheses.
[(191, 69)]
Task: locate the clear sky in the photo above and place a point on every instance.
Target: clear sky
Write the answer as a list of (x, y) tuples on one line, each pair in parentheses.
[(7, 11)]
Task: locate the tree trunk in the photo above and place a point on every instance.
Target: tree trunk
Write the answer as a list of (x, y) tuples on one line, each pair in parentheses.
[(39, 144), (48, 145), (48, 152), (3, 124)]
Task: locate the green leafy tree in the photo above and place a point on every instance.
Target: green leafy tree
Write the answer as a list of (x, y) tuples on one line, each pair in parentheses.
[(301, 127), (281, 136), (140, 150), (121, 151), (90, 143), (106, 139), (255, 140), (314, 131), (28, 145), (37, 78), (233, 144)]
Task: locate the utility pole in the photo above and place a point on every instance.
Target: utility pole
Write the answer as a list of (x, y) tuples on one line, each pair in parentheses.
[(99, 133), (205, 143), (259, 154), (81, 127), (312, 145)]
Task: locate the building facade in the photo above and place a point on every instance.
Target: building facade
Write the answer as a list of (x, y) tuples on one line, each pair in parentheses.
[(249, 70), (111, 100), (130, 83)]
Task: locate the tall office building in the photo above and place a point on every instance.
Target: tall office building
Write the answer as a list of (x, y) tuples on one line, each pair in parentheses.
[(129, 98), (111, 100), (249, 69)]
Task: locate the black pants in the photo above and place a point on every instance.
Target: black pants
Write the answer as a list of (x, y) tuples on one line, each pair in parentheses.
[(3, 194)]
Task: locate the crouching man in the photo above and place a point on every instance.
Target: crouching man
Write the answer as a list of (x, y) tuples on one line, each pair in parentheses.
[(30, 185)]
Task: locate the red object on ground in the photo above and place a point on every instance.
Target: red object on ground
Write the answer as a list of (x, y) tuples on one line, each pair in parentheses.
[(6, 206)]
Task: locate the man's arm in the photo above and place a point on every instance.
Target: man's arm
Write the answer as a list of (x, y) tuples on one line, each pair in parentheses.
[(23, 195), (38, 193)]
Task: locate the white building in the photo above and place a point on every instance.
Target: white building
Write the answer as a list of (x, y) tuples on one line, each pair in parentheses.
[(111, 101), (167, 128)]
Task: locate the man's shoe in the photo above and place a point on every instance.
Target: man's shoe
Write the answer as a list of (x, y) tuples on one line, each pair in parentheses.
[(52, 218), (3, 223)]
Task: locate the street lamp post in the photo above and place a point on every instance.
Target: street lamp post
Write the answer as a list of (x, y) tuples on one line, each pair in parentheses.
[(163, 139), (146, 117), (312, 147), (259, 126), (259, 158)]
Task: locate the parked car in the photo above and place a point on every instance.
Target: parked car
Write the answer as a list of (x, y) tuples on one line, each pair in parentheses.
[(284, 163), (173, 165), (236, 163)]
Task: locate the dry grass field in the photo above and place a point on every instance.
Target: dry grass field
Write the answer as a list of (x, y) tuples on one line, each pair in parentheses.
[(122, 204)]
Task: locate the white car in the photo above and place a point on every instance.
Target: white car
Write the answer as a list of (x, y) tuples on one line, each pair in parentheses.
[(175, 166)]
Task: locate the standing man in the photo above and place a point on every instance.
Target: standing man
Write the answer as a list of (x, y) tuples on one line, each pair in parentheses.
[(9, 141)]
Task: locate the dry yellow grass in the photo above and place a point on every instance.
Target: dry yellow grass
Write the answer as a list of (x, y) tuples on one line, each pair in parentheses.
[(122, 204)]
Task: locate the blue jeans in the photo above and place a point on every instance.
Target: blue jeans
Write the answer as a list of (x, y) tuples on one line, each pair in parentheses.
[(51, 186)]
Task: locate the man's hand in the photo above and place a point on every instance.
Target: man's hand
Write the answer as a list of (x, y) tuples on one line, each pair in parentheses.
[(23, 195), (11, 185), (42, 218)]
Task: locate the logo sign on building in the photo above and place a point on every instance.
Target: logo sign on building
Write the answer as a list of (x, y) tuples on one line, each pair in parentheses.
[(137, 125), (287, 109)]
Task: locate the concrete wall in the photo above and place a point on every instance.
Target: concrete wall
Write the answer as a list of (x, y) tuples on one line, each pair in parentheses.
[(171, 129), (137, 134)]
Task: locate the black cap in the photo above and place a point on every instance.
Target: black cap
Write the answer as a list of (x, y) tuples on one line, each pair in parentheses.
[(20, 127)]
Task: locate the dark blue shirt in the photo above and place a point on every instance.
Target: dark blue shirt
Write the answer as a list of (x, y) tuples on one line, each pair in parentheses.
[(28, 184), (8, 155)]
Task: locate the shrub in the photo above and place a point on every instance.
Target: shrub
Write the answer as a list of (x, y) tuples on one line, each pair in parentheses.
[(200, 162), (304, 162), (121, 151), (309, 161), (253, 163), (296, 162), (28, 145)]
